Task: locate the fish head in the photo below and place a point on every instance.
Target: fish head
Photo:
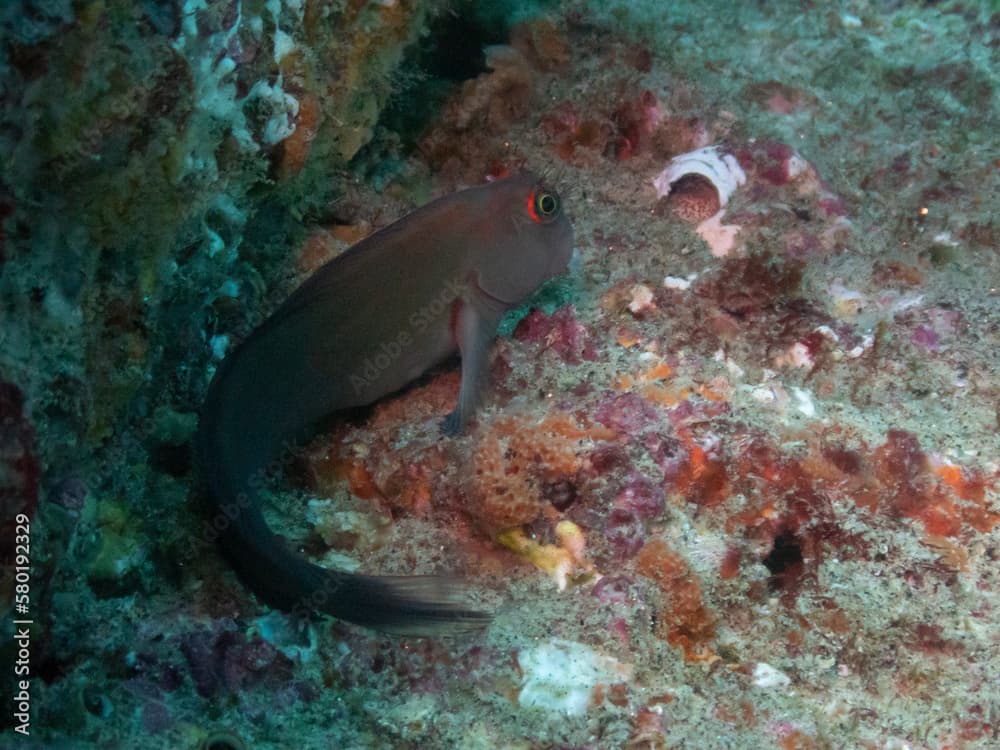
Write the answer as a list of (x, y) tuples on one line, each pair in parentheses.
[(528, 239)]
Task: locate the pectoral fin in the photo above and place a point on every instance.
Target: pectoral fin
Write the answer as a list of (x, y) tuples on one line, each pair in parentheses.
[(474, 331)]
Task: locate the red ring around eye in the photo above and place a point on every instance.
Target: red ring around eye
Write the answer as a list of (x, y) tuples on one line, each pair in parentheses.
[(531, 209)]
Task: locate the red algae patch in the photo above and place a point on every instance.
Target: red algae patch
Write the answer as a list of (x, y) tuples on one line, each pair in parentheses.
[(683, 620), (700, 477), (941, 500), (780, 503)]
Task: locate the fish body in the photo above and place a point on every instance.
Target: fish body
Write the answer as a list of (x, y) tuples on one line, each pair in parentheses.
[(362, 327)]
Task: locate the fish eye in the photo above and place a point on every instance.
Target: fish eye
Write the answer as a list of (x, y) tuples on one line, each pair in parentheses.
[(543, 206), (547, 204)]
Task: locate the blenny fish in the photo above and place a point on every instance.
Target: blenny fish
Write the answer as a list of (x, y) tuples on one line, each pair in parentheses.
[(363, 326)]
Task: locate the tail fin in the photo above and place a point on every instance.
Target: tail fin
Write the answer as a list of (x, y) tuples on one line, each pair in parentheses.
[(403, 605)]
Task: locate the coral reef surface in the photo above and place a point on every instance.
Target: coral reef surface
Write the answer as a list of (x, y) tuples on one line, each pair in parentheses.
[(736, 479)]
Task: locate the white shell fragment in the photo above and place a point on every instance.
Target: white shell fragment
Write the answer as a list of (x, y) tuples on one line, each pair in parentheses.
[(766, 676), (679, 284), (725, 174), (560, 676), (721, 169)]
